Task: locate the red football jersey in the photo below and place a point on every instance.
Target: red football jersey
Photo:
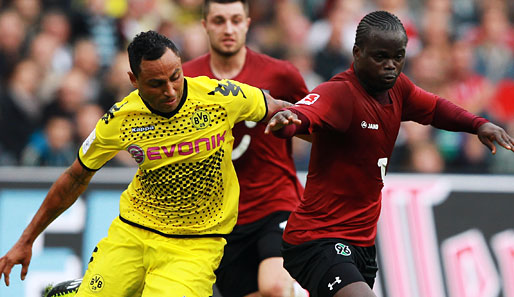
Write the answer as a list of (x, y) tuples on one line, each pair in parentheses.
[(263, 163), (353, 137)]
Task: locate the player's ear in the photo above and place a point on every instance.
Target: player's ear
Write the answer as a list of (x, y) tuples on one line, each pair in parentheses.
[(133, 79), (204, 23), (356, 51)]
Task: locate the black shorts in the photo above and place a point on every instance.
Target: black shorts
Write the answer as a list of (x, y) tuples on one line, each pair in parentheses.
[(247, 245), (326, 265)]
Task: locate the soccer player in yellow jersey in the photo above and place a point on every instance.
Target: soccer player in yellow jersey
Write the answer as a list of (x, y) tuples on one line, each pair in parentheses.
[(169, 237)]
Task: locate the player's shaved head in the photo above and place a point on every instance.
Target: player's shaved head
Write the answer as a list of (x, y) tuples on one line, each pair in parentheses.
[(377, 21), (148, 45), (207, 3)]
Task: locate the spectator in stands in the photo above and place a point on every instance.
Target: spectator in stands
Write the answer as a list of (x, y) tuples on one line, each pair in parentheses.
[(42, 50), (30, 12), (87, 59), (115, 83), (92, 22), (70, 96), (53, 147), (20, 110), (329, 38), (13, 32), (472, 92), (494, 41), (56, 23)]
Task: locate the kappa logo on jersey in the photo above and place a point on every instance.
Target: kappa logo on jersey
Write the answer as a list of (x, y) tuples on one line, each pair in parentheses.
[(142, 129), (336, 281), (342, 249), (309, 99), (225, 90), (365, 125), (110, 113), (97, 283), (200, 119)]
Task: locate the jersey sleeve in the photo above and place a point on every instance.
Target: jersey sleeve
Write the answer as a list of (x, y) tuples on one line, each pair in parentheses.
[(102, 144), (248, 103), (329, 106), (418, 105)]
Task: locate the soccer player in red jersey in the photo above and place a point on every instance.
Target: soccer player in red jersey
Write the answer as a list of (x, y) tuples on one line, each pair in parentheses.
[(265, 169), (354, 118)]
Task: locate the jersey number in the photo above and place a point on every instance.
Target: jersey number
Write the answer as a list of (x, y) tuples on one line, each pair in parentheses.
[(382, 163)]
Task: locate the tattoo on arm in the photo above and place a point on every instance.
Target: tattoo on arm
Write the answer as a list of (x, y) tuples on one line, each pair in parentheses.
[(276, 104), (283, 104), (81, 178)]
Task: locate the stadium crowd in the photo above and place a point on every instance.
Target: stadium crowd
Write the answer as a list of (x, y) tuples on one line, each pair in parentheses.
[(64, 63)]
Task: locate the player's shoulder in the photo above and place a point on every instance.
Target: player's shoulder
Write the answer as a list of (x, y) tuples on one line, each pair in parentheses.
[(206, 89), (271, 63), (338, 82), (403, 84), (130, 104), (196, 66)]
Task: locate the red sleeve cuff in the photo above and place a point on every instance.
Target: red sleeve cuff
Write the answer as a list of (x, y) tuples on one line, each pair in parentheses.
[(291, 130)]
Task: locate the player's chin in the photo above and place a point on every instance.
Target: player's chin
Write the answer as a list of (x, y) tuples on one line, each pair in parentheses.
[(228, 51), (168, 106), (386, 84)]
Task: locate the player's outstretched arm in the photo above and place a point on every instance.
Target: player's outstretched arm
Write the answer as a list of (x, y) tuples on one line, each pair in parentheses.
[(281, 119), (274, 105), (489, 132), (63, 193)]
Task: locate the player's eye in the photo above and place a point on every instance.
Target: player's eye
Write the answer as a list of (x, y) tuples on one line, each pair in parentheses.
[(379, 57), (155, 84), (218, 21)]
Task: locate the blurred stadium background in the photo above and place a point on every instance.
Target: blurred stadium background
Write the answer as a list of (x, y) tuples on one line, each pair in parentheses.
[(63, 63)]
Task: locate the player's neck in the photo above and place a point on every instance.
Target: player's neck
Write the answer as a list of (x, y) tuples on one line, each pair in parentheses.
[(227, 67), (382, 96)]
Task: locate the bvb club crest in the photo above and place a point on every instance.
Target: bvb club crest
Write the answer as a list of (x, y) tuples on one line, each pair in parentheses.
[(200, 119)]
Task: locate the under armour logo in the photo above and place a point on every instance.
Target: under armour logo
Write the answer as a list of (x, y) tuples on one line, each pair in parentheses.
[(74, 284), (331, 285)]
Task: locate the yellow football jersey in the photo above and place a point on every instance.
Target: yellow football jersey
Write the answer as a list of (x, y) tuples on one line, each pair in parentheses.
[(186, 183)]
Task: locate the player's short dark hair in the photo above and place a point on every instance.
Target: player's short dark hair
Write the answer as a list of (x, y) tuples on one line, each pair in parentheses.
[(207, 3), (377, 20), (148, 45)]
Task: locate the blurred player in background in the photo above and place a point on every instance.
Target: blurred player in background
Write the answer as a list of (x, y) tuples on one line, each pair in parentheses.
[(329, 241), (169, 237), (270, 190)]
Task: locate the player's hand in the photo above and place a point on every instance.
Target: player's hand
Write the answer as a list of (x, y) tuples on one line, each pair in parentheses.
[(20, 253), (489, 132), (281, 119)]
